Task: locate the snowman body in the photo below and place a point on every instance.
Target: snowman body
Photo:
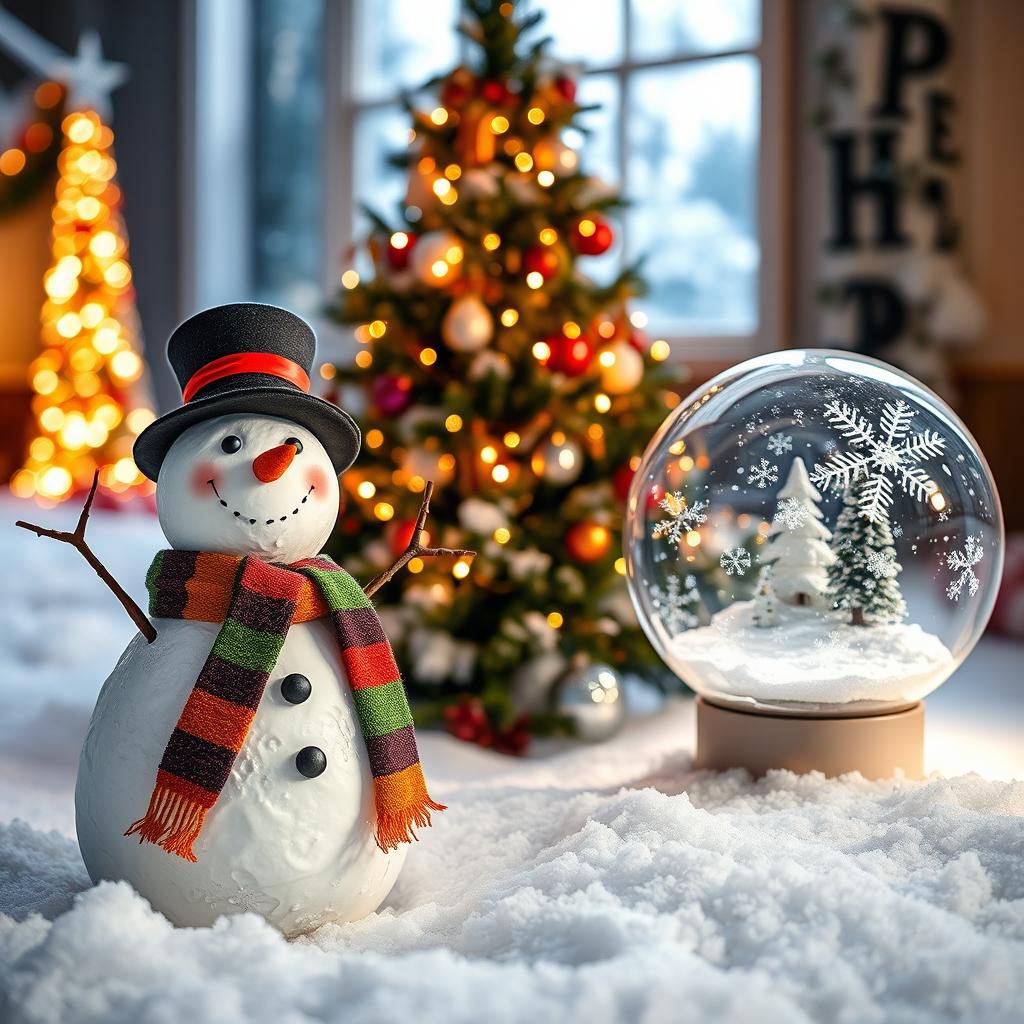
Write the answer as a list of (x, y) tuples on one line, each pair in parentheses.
[(298, 851)]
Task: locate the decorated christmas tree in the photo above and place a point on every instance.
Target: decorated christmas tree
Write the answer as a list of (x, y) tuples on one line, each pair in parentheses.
[(797, 547), (90, 398), (493, 364), (863, 578)]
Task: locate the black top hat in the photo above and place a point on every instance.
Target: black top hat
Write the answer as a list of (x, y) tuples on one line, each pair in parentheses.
[(246, 357)]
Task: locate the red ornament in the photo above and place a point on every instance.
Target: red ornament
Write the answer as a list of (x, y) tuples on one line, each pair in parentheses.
[(571, 356), (494, 92), (566, 88), (592, 235), (621, 479), (468, 721), (399, 249), (540, 259), (588, 542), (401, 535), (391, 395), (639, 341)]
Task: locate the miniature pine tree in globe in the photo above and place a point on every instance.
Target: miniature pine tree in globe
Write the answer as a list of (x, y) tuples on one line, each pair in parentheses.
[(863, 578), (797, 547), (491, 363), (766, 611)]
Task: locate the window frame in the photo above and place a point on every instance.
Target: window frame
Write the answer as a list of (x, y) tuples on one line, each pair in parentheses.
[(343, 107)]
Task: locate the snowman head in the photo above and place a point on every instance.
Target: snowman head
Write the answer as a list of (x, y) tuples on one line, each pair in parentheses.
[(245, 484)]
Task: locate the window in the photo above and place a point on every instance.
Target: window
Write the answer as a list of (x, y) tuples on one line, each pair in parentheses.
[(688, 129)]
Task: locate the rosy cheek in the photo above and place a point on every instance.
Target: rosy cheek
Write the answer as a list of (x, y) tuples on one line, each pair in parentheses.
[(203, 473), (316, 479)]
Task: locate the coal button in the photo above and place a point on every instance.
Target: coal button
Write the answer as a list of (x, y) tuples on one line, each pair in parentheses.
[(311, 762), (296, 688)]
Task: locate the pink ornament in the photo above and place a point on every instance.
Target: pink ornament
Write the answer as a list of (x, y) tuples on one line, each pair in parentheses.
[(391, 395)]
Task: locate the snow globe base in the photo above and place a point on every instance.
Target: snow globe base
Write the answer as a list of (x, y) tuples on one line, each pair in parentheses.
[(878, 746)]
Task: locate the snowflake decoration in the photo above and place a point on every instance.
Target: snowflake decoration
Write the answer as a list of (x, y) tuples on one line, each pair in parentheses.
[(798, 415), (882, 564), (881, 452), (751, 426), (897, 531), (673, 604), (763, 474), (791, 513), (776, 410), (735, 561), (830, 641), (963, 562), (682, 517), (779, 444), (944, 516)]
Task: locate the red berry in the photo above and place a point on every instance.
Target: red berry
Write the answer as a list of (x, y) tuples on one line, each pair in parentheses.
[(540, 259), (399, 249), (566, 87)]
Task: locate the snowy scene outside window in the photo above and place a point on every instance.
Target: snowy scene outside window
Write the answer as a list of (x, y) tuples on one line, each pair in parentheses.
[(678, 130)]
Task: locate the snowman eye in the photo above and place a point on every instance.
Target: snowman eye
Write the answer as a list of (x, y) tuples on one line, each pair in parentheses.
[(294, 441), (231, 444)]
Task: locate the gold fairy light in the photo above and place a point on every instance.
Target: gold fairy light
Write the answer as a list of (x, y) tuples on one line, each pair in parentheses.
[(84, 381)]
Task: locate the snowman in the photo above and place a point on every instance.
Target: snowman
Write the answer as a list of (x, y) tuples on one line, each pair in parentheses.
[(252, 749)]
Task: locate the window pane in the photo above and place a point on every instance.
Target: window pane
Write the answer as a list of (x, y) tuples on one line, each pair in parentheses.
[(402, 43), (598, 145), (691, 172), (289, 113), (379, 134), (588, 33), (665, 28)]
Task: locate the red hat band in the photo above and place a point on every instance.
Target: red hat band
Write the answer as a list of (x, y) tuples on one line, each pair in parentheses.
[(246, 362)]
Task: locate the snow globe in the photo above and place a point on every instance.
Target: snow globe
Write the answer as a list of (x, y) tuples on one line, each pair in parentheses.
[(813, 544)]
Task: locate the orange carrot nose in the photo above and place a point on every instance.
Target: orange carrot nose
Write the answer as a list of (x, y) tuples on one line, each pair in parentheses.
[(272, 464)]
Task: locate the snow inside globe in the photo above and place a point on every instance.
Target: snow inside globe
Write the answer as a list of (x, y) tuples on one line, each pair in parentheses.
[(813, 533)]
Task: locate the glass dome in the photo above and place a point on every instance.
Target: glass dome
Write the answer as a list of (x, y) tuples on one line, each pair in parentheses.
[(813, 532)]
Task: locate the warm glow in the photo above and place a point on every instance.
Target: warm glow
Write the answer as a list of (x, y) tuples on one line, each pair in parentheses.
[(366, 489), (374, 438), (446, 463), (606, 358), (460, 570), (350, 279), (555, 620), (500, 473), (638, 319), (541, 351), (548, 236), (453, 172), (12, 161), (620, 566), (571, 329), (489, 454), (511, 439), (524, 162), (535, 115), (937, 499), (509, 317), (399, 240), (502, 535), (491, 241), (377, 329), (364, 359), (428, 357), (545, 179), (453, 423), (660, 350), (602, 403), (439, 116), (535, 279), (499, 124), (586, 227), (383, 511)]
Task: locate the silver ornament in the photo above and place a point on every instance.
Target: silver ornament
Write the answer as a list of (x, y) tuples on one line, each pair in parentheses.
[(558, 460), (591, 696)]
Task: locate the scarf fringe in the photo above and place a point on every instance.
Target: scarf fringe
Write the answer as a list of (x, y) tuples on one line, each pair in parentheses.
[(172, 821), (397, 826)]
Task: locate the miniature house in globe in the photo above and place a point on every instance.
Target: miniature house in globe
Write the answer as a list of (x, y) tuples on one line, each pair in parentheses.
[(813, 544)]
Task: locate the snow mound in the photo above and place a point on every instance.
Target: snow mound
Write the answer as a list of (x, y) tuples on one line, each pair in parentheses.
[(791, 899), (811, 657)]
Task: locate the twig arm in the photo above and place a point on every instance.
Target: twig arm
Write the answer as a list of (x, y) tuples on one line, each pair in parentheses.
[(416, 548), (77, 540)]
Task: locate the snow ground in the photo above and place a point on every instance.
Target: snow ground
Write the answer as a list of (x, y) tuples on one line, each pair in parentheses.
[(604, 883), (812, 657)]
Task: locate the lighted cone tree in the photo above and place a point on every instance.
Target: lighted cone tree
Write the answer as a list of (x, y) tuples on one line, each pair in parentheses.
[(90, 398), (492, 364)]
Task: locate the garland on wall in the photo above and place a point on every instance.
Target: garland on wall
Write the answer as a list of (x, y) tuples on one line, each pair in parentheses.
[(891, 284)]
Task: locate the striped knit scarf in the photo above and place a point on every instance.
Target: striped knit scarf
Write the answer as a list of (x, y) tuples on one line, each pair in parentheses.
[(257, 603)]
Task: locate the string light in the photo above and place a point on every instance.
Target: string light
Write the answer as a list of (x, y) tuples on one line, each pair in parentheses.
[(377, 329), (399, 240), (509, 317), (460, 570), (511, 439), (545, 179), (660, 350), (366, 489), (499, 124), (535, 115), (541, 351), (502, 535), (374, 438), (428, 356), (489, 454), (85, 408), (535, 279), (548, 236), (383, 511), (439, 116), (602, 403), (500, 473), (364, 359), (491, 241), (620, 566), (524, 162), (555, 620), (453, 423)]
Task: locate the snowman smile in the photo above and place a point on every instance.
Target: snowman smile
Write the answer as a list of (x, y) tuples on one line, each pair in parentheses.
[(269, 522)]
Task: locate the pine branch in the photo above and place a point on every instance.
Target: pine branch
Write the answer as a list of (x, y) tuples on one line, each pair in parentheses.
[(77, 540), (416, 548)]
